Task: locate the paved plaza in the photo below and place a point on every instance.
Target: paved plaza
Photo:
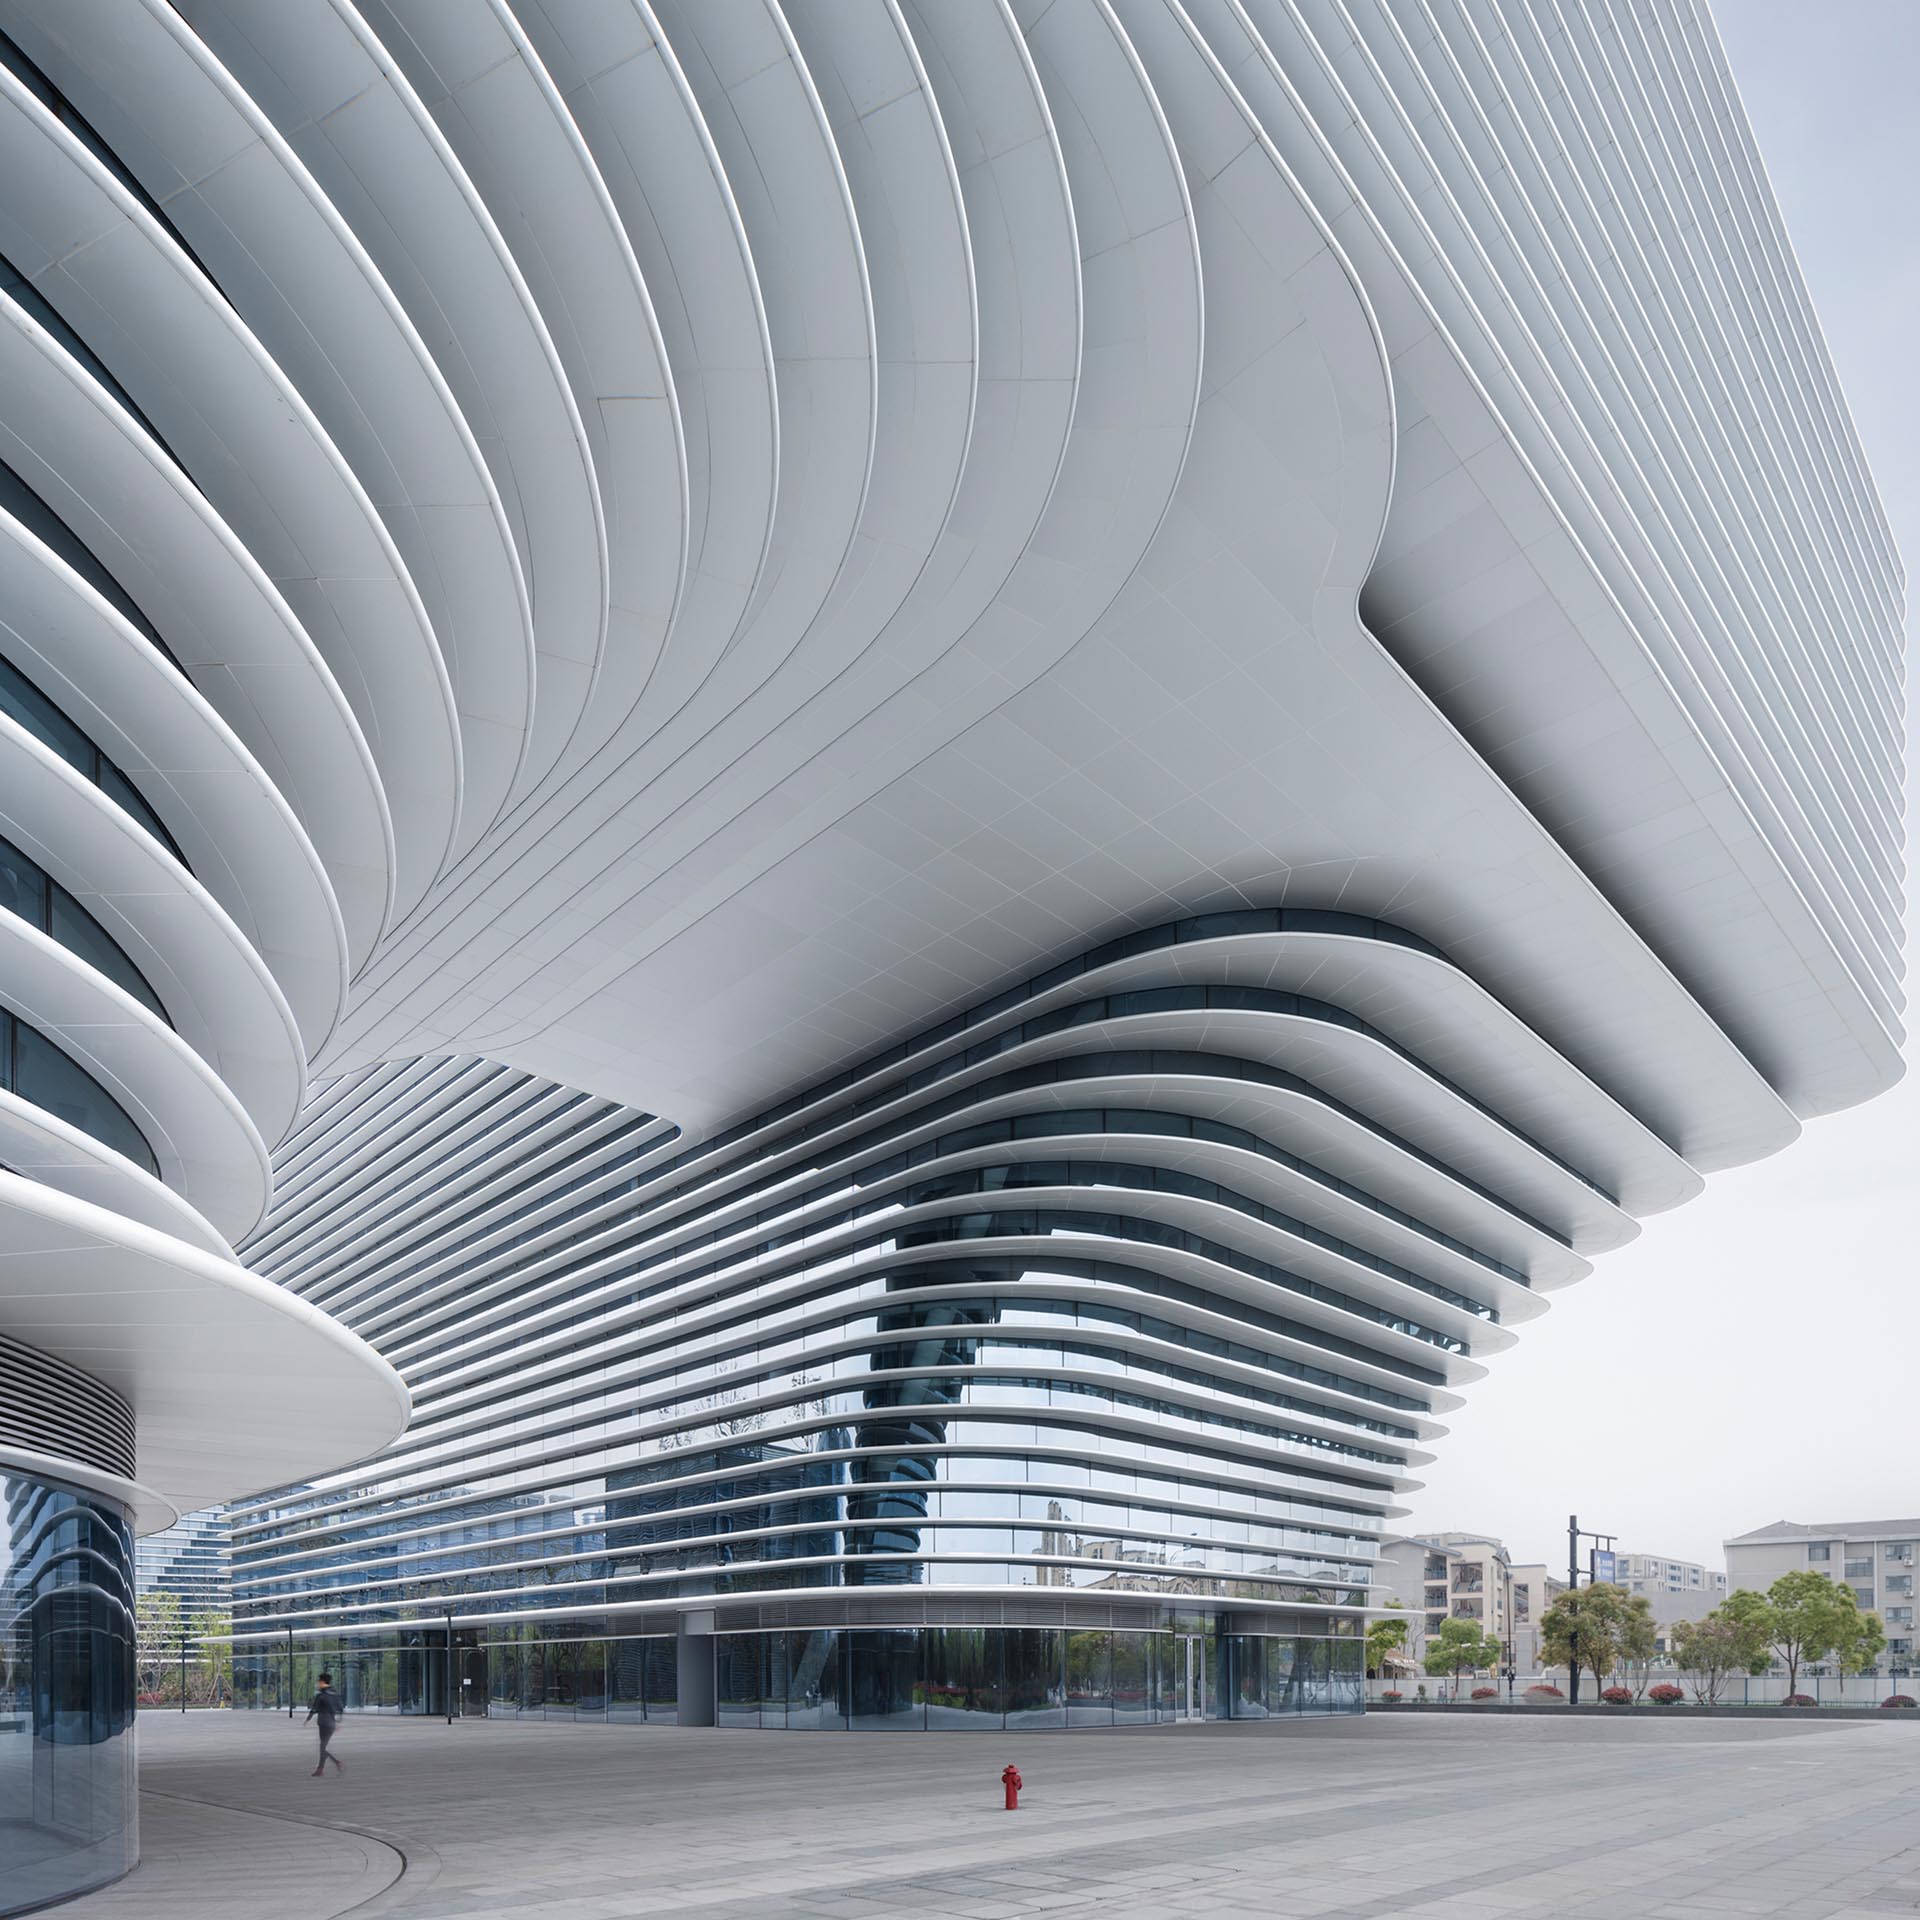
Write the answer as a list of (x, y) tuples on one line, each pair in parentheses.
[(1445, 1816)]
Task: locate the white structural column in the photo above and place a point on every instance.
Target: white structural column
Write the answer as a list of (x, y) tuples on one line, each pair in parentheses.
[(226, 747)]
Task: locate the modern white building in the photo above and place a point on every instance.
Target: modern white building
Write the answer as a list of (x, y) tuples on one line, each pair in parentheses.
[(1874, 1557), (1197, 691)]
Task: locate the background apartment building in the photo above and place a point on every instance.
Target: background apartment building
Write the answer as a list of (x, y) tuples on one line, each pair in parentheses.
[(1873, 1557), (1437, 1576), (1674, 1589), (1471, 1576), (1535, 1588)]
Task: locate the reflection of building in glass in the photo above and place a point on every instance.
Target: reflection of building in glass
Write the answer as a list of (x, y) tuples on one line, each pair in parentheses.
[(779, 1500), (917, 1378), (66, 1691)]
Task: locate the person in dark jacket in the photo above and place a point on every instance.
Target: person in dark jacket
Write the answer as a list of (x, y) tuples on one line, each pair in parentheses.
[(327, 1710)]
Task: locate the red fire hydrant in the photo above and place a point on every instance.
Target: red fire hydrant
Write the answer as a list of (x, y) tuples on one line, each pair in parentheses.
[(1010, 1779)]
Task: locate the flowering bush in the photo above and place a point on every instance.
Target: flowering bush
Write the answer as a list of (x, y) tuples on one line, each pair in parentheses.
[(1799, 1700), (1545, 1690), (1898, 1700), (1666, 1694), (1486, 1693), (1617, 1696), (1391, 1695)]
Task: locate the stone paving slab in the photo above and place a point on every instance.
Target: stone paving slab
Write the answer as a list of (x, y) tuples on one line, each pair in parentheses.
[(1441, 1819), (200, 1861)]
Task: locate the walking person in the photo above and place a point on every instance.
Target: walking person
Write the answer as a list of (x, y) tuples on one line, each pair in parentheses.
[(327, 1710)]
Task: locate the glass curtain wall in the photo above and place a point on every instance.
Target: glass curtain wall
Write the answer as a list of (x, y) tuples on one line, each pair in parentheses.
[(865, 1680), (68, 1815), (506, 1672), (1025, 1678)]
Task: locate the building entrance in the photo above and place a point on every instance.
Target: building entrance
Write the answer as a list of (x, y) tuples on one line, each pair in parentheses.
[(471, 1662), (1193, 1677)]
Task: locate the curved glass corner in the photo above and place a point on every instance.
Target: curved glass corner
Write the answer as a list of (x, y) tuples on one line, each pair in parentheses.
[(69, 1819)]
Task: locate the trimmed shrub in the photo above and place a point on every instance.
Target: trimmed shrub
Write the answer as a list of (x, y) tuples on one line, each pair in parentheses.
[(1392, 1696), (1546, 1690), (1617, 1696), (1486, 1693), (1799, 1700), (1666, 1694), (1898, 1700)]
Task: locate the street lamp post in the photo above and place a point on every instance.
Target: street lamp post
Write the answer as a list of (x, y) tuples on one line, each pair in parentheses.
[(1575, 1534), (1573, 1587)]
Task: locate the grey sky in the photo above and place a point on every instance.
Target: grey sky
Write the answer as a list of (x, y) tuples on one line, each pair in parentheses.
[(1754, 1356)]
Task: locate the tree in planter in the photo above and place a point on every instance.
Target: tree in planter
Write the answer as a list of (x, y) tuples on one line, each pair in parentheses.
[(1384, 1637), (1460, 1647), (1808, 1617), (1588, 1625), (1713, 1649)]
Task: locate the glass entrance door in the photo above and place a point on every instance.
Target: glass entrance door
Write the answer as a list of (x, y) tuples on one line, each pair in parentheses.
[(472, 1664), (1193, 1693)]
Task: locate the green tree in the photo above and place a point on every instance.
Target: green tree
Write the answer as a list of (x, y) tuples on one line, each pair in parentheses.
[(1727, 1641), (1460, 1647), (1750, 1612), (213, 1664), (1809, 1618), (1856, 1650), (1384, 1637), (156, 1634), (1637, 1640), (1586, 1626)]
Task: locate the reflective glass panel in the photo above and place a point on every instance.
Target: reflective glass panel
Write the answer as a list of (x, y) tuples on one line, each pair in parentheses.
[(45, 1076), (1035, 1690), (626, 1679), (67, 1691), (1133, 1656), (503, 1679), (1283, 1695), (1089, 1678), (662, 1667), (737, 1680), (961, 1679), (1246, 1658), (80, 933), (814, 1680), (884, 1675), (23, 887), (559, 1677), (1312, 1664), (590, 1678)]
